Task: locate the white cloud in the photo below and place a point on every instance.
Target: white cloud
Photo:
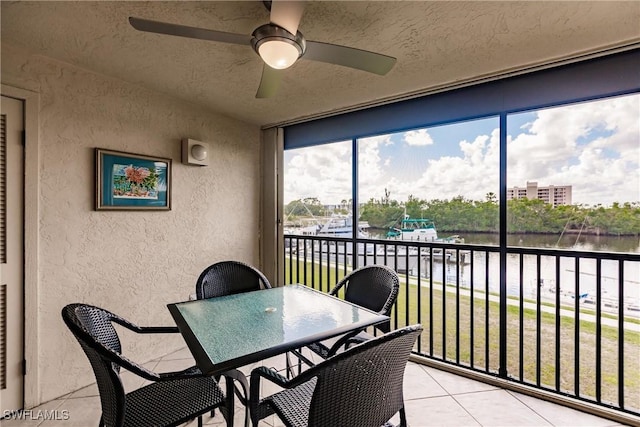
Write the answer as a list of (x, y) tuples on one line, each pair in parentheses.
[(472, 175), (323, 172), (562, 147), (418, 137), (594, 146), (373, 169)]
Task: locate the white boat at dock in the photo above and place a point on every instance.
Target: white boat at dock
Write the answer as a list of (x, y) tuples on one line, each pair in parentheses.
[(424, 230), (340, 226), (401, 255)]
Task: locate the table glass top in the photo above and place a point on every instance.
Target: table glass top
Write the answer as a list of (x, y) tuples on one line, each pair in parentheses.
[(271, 320)]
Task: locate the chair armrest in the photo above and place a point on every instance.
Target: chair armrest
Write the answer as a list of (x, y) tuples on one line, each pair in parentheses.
[(344, 340), (269, 374), (132, 366), (338, 286), (191, 372), (144, 329), (280, 380), (357, 337), (143, 372), (255, 407), (254, 389), (158, 329)]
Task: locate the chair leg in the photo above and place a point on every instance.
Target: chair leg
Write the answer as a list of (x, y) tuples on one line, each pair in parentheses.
[(244, 398), (230, 400), (200, 421), (226, 415), (403, 418), (213, 411), (254, 398), (300, 363), (289, 367)]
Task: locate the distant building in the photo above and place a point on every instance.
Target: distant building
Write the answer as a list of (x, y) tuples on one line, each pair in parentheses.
[(552, 194), (345, 205)]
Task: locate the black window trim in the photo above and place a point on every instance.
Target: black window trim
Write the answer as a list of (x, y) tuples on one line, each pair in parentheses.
[(606, 76)]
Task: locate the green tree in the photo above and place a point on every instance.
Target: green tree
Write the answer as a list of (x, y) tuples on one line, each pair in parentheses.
[(309, 206), (460, 214), (382, 213)]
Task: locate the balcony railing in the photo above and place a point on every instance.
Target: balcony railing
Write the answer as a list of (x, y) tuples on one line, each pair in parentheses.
[(563, 321)]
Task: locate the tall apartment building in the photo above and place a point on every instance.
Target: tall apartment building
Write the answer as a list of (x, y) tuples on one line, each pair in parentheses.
[(552, 194)]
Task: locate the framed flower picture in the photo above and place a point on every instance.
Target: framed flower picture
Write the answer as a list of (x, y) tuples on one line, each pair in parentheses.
[(126, 181)]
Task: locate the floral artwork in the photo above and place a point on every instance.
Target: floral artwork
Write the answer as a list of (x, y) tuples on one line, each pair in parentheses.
[(135, 181), (127, 181)]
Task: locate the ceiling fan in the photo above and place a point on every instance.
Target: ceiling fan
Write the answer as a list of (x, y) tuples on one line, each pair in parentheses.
[(279, 44)]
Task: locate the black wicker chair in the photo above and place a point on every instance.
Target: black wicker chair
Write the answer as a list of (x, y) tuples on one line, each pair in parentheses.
[(229, 277), (374, 287), (361, 387), (170, 400), (226, 278)]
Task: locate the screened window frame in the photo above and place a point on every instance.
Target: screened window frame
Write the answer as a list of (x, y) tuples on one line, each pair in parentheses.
[(604, 77), (587, 80), (592, 79)]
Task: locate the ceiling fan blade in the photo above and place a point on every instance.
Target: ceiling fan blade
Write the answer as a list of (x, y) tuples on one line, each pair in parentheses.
[(349, 57), (287, 14), (191, 32), (269, 83)]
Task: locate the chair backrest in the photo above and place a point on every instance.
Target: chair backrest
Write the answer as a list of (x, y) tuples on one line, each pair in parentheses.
[(229, 277), (374, 287), (93, 328), (362, 387)]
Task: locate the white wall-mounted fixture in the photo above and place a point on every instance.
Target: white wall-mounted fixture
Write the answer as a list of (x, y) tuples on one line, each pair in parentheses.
[(195, 152)]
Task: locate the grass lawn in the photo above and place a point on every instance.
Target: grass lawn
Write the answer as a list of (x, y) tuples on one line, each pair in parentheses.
[(465, 330)]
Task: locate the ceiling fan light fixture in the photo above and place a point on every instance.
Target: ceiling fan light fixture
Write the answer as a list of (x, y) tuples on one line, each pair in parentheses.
[(277, 47), (278, 54)]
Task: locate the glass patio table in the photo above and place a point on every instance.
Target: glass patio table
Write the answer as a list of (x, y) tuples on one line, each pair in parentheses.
[(232, 331)]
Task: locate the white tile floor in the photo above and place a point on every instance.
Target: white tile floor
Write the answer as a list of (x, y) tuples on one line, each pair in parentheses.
[(432, 398)]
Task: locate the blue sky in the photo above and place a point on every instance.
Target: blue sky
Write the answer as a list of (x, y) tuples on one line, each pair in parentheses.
[(594, 146)]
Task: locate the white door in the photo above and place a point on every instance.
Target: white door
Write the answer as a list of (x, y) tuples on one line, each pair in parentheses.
[(11, 256)]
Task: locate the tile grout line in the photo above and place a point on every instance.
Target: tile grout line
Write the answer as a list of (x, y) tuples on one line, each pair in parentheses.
[(534, 411), (465, 409), (453, 397)]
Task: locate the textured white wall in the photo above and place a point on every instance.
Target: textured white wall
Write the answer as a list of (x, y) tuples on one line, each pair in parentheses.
[(132, 263)]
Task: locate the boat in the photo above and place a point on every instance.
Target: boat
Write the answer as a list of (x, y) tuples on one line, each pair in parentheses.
[(419, 230), (404, 258), (424, 230), (335, 226), (308, 230), (414, 230), (340, 226)]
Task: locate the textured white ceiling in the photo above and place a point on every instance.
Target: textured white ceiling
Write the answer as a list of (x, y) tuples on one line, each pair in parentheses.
[(436, 43)]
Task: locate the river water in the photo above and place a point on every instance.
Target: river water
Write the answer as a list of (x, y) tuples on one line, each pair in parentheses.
[(575, 280), (629, 244), (583, 242)]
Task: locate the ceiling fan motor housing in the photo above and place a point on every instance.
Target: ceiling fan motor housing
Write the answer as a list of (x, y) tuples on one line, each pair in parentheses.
[(272, 32)]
